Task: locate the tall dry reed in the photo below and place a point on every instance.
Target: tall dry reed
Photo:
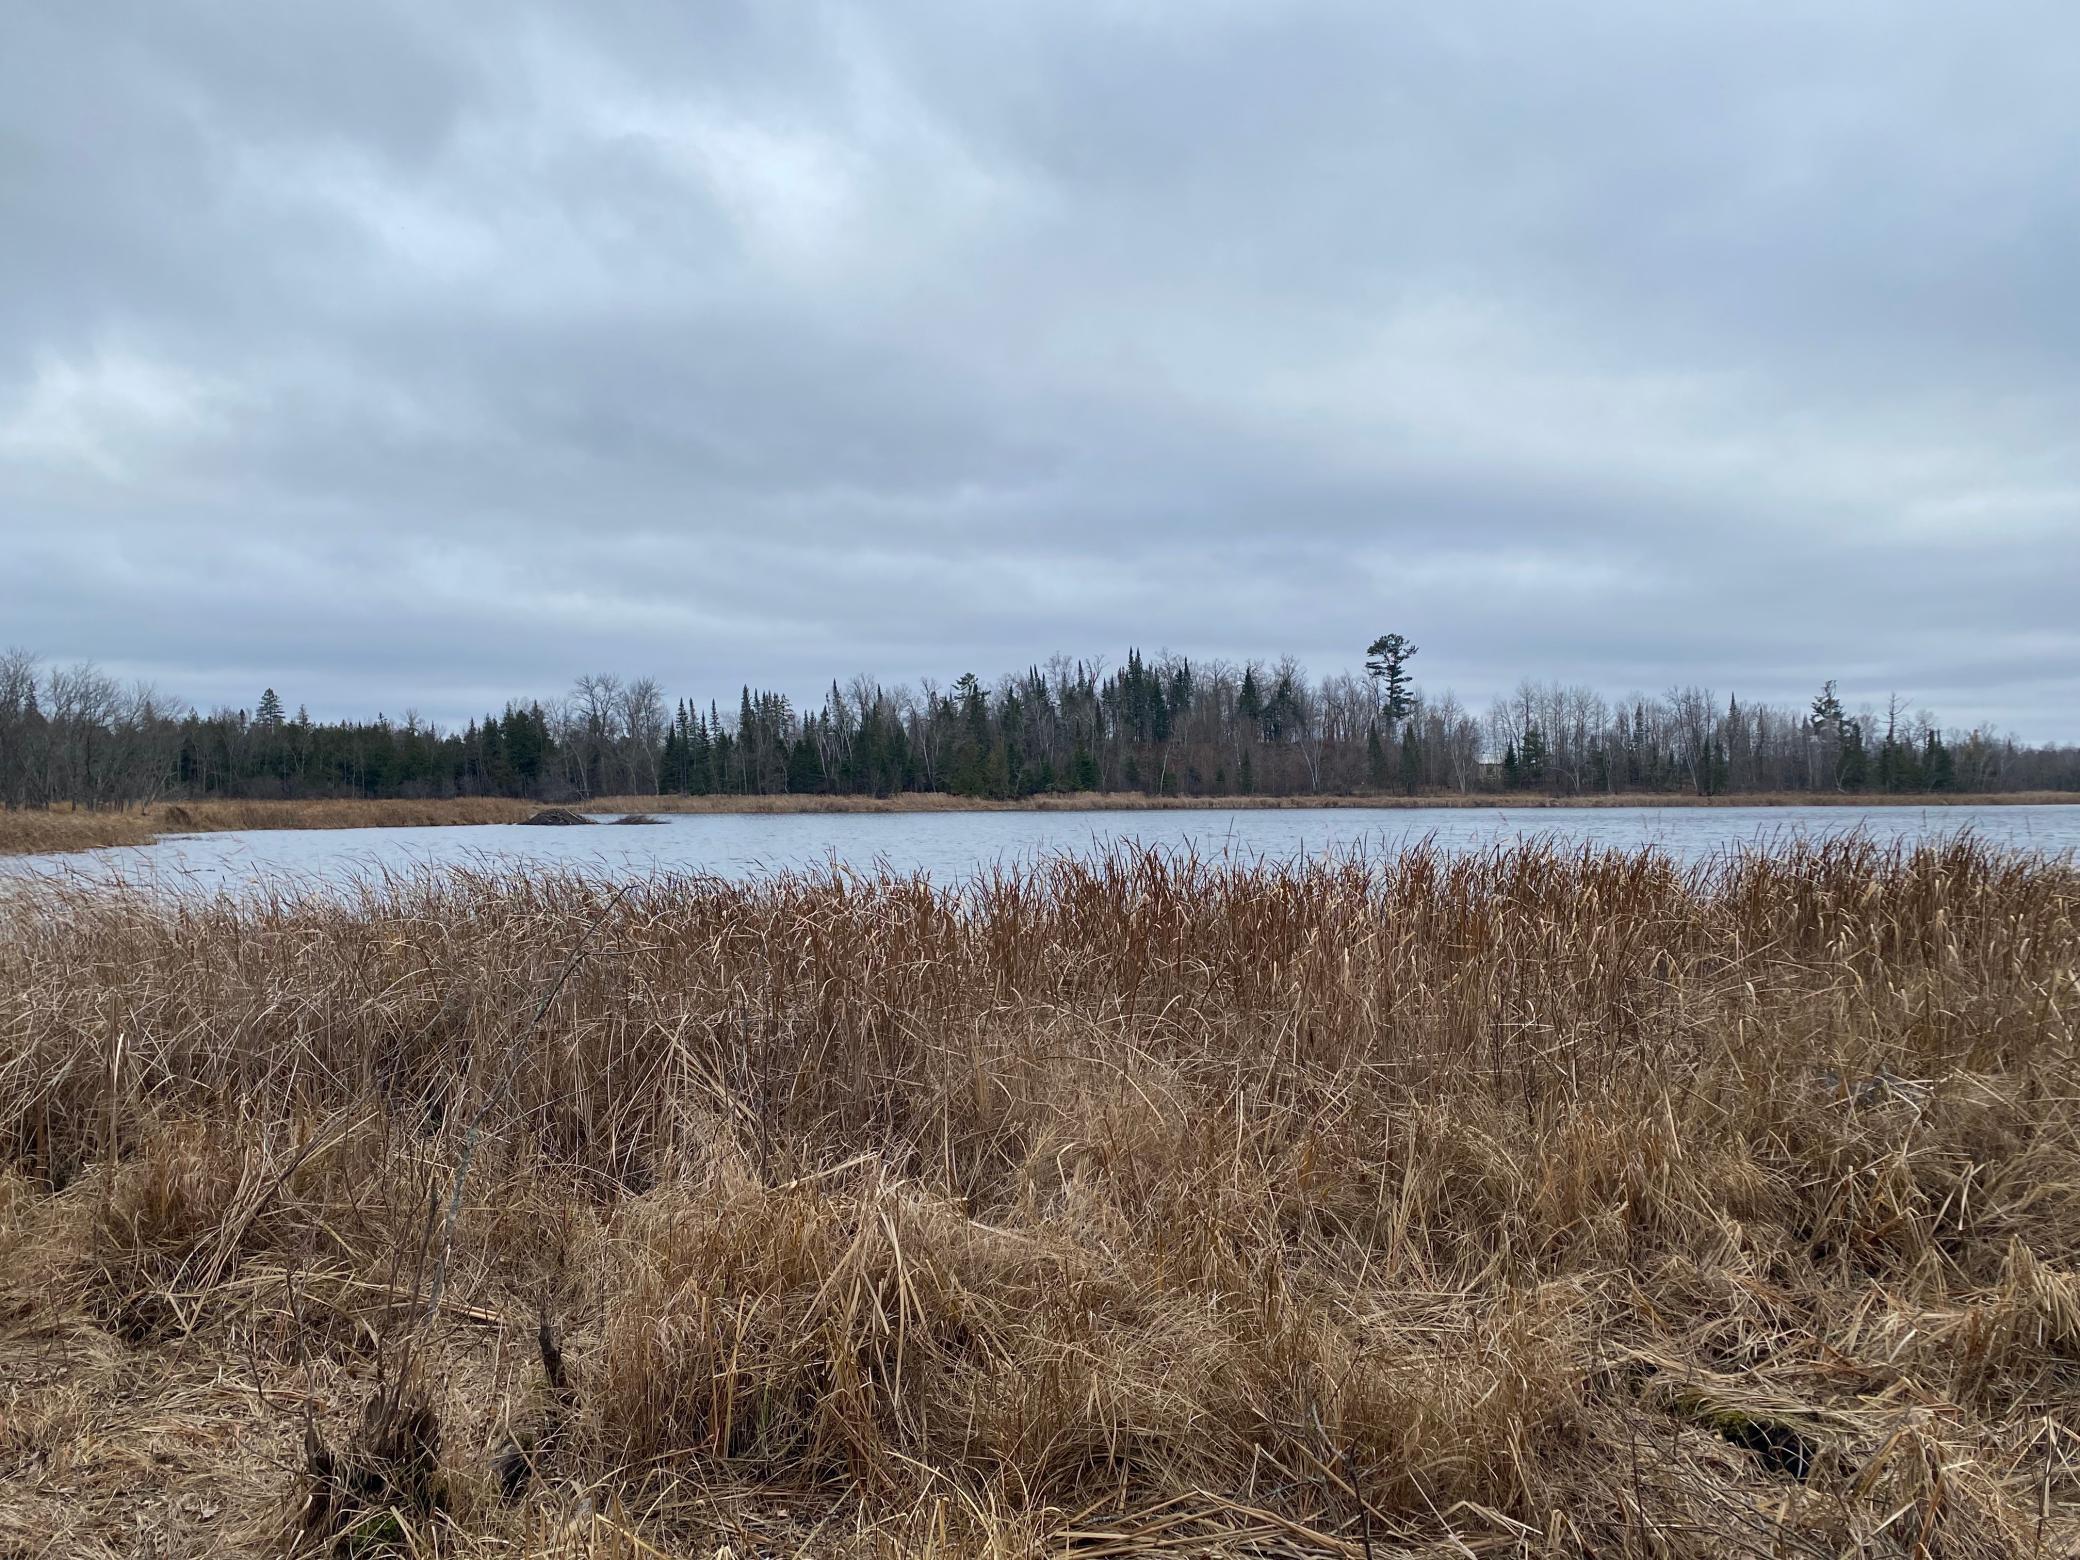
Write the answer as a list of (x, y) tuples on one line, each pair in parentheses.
[(1525, 1202)]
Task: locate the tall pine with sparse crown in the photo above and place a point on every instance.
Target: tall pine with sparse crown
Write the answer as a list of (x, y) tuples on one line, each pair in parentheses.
[(1386, 663)]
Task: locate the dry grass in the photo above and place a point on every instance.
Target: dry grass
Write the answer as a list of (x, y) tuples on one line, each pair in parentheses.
[(39, 830), (1527, 1203), (346, 813)]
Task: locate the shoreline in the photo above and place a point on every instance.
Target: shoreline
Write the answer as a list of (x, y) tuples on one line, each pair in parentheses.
[(1135, 801), (52, 831)]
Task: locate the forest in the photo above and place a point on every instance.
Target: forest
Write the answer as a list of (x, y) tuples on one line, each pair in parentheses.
[(1162, 725)]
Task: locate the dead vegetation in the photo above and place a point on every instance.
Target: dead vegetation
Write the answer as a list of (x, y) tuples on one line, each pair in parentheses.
[(27, 831), (1519, 1204), (39, 830)]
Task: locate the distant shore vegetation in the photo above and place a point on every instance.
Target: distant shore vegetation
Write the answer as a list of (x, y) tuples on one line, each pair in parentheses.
[(1163, 727)]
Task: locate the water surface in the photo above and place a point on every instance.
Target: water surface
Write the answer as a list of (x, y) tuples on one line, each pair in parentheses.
[(954, 845)]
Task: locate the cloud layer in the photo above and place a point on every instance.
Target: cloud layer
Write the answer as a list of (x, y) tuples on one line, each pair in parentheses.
[(395, 354)]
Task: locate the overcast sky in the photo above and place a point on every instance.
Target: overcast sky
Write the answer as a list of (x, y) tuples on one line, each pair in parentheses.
[(425, 355)]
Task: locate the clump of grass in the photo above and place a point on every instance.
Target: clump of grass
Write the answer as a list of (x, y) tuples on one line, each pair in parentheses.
[(47, 830), (1536, 1200), (382, 1496), (174, 1195), (210, 817), (37, 830)]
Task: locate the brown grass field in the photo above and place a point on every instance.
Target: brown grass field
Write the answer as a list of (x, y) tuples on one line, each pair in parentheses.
[(1529, 1203), (43, 830), (36, 830)]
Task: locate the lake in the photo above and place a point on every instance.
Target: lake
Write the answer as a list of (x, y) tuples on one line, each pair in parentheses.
[(954, 845)]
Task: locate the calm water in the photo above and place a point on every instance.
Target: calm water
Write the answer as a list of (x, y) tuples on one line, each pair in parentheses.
[(951, 846)]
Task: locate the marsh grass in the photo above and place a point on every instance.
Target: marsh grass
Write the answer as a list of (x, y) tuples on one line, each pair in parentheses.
[(43, 830), (1528, 1202), (38, 830)]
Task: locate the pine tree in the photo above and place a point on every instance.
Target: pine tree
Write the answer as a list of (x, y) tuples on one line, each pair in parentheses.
[(804, 768), (1249, 703), (1531, 756), (1386, 663), (1936, 770), (1840, 732), (1085, 769), (1854, 767)]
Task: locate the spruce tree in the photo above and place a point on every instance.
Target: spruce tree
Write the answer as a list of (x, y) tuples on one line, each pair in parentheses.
[(1531, 756), (1249, 703), (1854, 768), (1936, 771)]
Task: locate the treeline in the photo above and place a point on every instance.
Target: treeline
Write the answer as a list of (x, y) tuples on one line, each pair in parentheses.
[(1164, 725)]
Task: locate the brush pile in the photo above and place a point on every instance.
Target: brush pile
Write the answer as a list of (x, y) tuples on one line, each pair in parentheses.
[(1533, 1202)]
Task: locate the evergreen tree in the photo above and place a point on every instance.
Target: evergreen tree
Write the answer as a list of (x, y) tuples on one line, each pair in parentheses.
[(1249, 702), (1386, 663), (1531, 756), (1854, 768), (1714, 773), (1936, 770), (1841, 735), (1085, 767), (804, 768)]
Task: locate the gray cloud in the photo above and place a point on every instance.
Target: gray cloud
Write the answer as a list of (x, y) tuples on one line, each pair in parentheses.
[(426, 355)]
